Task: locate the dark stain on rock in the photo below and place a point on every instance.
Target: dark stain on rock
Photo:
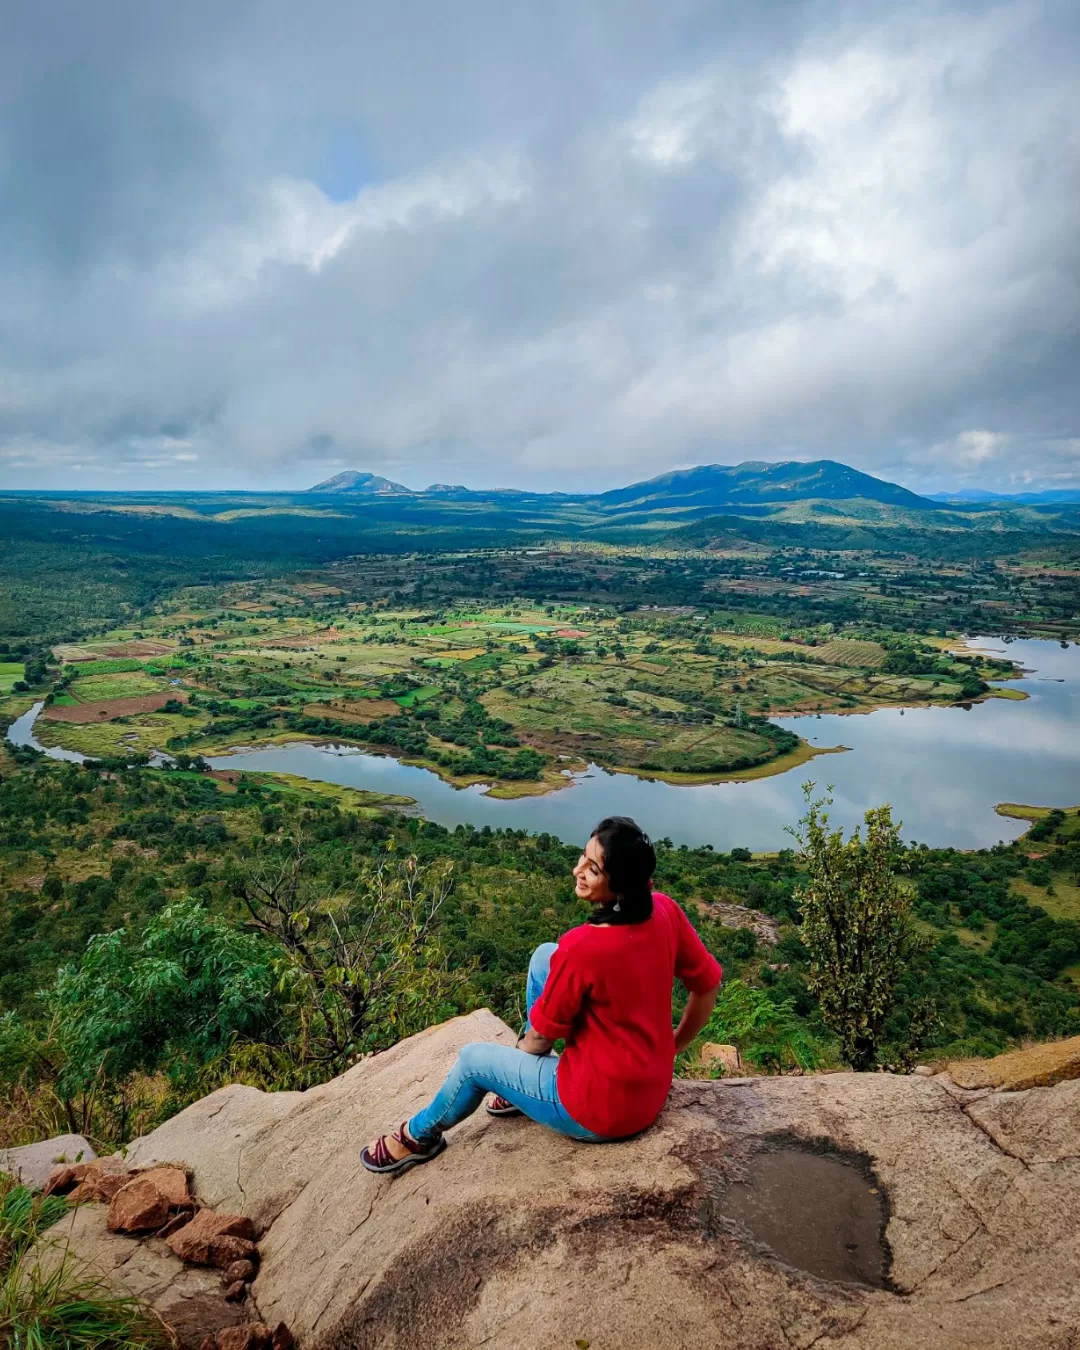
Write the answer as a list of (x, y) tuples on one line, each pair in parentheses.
[(816, 1208), (433, 1285)]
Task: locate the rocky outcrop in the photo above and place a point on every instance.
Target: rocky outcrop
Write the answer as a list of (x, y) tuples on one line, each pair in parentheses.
[(859, 1212), (188, 1298), (763, 927), (1037, 1066)]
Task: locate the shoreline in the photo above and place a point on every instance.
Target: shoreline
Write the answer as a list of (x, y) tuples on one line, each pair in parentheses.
[(510, 790), (1032, 814), (555, 779)]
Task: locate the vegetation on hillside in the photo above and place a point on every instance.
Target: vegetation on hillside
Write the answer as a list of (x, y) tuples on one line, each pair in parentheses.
[(272, 935)]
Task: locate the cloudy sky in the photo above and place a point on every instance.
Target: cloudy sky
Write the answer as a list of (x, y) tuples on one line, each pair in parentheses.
[(561, 244)]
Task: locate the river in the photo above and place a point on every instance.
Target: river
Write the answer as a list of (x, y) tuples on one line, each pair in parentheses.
[(943, 770)]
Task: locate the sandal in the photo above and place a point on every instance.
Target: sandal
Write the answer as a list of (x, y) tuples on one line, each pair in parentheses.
[(380, 1159), (499, 1106)]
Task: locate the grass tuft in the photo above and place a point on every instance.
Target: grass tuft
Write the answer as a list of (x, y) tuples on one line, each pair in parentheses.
[(56, 1307)]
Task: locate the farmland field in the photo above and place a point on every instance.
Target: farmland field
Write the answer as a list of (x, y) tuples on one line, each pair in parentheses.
[(10, 671), (510, 693)]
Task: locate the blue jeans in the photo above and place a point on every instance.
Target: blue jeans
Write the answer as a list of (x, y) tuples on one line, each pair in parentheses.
[(529, 1081)]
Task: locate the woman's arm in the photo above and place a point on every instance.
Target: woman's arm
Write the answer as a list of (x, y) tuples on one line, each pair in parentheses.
[(697, 1012), (534, 1044)]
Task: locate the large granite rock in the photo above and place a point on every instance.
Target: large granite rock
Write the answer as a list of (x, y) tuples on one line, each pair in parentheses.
[(859, 1212), (33, 1164)]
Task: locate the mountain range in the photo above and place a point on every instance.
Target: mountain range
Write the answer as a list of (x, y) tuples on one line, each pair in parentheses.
[(701, 490), (977, 496)]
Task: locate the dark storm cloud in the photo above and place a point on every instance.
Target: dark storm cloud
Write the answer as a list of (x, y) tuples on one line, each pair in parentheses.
[(562, 245)]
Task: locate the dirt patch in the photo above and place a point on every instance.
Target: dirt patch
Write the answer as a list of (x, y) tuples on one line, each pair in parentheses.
[(436, 1283), (114, 707), (142, 648), (365, 711)]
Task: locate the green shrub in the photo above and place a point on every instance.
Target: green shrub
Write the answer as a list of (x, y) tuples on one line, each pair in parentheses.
[(767, 1030)]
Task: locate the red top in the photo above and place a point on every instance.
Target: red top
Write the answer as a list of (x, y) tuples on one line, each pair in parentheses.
[(608, 994)]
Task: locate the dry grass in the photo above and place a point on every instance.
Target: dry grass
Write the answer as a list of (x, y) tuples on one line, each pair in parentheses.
[(106, 1120)]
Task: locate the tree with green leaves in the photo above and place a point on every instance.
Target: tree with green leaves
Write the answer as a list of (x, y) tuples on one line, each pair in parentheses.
[(358, 967), (856, 924)]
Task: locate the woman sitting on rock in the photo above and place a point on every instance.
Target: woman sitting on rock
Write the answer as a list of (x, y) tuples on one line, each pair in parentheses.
[(606, 990)]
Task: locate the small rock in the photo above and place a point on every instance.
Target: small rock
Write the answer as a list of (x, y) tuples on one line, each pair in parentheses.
[(212, 1239), (138, 1207), (248, 1336), (727, 1056), (923, 1071), (172, 1182), (100, 1181), (223, 1251), (99, 1186), (177, 1222), (283, 1338), (240, 1270), (63, 1179), (236, 1292)]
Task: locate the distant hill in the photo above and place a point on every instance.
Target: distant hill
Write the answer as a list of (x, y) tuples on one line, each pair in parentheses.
[(711, 486), (361, 485), (978, 497), (702, 490)]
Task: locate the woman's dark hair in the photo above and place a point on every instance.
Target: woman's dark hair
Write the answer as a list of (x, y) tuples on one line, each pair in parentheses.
[(629, 863)]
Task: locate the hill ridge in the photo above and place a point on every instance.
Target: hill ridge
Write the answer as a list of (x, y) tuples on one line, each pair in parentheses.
[(701, 487)]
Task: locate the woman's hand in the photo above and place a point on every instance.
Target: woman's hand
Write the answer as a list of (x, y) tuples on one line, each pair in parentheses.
[(533, 1044), (697, 1012)]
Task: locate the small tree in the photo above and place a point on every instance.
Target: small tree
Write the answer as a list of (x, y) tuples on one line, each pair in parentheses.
[(856, 924), (359, 968)]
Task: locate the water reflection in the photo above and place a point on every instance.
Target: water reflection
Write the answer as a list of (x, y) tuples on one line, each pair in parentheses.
[(21, 732)]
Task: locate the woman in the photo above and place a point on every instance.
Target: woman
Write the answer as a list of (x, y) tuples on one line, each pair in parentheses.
[(606, 990)]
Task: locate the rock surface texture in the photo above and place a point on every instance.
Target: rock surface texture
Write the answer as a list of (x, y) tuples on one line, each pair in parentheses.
[(854, 1212)]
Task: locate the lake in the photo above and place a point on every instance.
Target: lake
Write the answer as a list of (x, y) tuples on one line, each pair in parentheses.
[(943, 770)]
